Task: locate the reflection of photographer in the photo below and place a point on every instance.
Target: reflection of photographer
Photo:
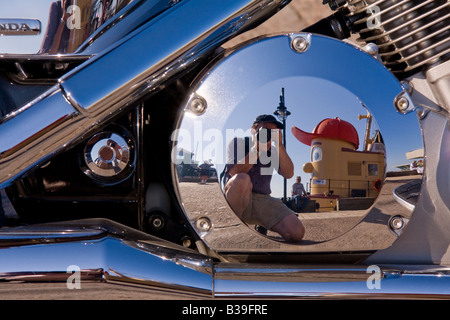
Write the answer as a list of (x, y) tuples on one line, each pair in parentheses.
[(264, 135), (249, 169)]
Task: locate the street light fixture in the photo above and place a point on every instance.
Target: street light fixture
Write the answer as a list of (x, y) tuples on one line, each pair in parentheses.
[(282, 113)]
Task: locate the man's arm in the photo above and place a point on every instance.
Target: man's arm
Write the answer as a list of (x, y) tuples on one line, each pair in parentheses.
[(304, 193), (286, 167), (235, 161), (243, 166)]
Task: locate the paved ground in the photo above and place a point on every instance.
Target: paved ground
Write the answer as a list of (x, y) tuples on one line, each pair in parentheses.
[(334, 230)]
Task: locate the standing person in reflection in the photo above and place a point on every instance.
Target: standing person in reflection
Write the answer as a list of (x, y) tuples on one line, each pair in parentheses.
[(299, 194), (204, 171), (248, 173)]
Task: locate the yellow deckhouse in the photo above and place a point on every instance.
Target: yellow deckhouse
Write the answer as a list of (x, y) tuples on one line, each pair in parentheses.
[(342, 177)]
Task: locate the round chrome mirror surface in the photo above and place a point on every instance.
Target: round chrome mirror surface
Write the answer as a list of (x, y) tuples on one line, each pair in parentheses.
[(347, 135)]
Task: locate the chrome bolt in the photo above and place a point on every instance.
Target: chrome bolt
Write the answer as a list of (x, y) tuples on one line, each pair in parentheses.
[(402, 104), (371, 48), (203, 224), (396, 223), (187, 242), (157, 222), (108, 157), (300, 44), (421, 112), (197, 105)]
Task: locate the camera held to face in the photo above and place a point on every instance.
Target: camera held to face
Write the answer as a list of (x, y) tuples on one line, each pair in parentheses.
[(263, 135)]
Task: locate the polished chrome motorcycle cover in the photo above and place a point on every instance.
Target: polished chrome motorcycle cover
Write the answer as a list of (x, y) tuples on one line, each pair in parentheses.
[(243, 95), (99, 151)]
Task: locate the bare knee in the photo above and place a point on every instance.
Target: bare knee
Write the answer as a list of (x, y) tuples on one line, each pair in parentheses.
[(238, 191), (240, 183), (290, 228), (297, 233)]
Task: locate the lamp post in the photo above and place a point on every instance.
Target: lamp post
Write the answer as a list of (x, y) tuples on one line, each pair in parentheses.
[(282, 113)]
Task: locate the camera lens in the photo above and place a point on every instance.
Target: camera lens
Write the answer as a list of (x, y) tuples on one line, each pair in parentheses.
[(264, 135)]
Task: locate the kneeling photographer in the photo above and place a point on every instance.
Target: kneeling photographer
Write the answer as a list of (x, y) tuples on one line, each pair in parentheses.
[(248, 173)]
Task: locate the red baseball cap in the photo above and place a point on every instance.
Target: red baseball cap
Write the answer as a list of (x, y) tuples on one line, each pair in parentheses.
[(329, 128)]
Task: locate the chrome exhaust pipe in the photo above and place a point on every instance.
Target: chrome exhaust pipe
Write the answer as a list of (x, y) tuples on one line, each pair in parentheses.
[(100, 250), (96, 252), (109, 83), (331, 282)]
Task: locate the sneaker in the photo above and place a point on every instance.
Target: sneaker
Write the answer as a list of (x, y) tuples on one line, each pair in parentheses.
[(261, 230)]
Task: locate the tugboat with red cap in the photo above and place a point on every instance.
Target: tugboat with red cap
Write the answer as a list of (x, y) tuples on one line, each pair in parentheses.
[(343, 178)]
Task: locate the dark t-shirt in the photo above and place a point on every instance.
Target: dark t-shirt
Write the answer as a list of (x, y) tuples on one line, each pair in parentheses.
[(262, 170)]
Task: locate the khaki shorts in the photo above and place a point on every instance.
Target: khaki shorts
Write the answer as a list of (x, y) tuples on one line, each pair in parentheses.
[(265, 211)]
